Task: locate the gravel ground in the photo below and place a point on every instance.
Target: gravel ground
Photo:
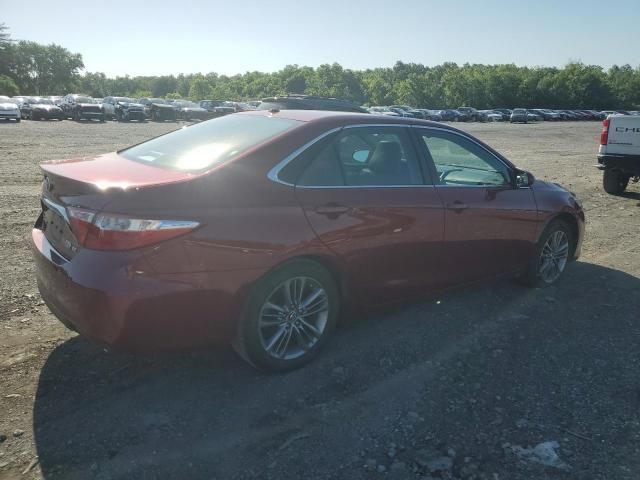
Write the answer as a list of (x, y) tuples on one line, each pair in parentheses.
[(490, 381)]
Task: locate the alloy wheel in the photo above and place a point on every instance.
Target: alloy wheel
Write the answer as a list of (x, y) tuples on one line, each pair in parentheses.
[(293, 318), (554, 256)]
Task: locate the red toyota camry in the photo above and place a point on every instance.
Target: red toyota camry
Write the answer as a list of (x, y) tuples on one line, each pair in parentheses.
[(256, 228)]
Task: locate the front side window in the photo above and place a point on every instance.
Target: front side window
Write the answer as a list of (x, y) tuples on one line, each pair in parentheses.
[(210, 143), (365, 156), (461, 162)]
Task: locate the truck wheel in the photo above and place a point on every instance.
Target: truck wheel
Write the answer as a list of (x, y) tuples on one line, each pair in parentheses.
[(614, 181)]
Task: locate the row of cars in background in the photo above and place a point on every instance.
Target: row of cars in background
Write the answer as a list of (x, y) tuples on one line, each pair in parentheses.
[(82, 107), (124, 109), (516, 115)]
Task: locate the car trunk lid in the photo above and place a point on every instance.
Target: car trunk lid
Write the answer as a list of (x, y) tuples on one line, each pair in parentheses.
[(83, 186)]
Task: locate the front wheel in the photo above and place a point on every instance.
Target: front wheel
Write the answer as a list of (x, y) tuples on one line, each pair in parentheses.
[(614, 181), (288, 317), (552, 255)]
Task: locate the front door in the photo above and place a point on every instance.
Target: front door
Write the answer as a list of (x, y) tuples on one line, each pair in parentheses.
[(490, 224)]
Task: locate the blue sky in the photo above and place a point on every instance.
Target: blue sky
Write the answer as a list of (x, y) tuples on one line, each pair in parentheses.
[(233, 36)]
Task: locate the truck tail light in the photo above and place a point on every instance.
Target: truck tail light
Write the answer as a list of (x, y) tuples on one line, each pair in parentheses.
[(604, 135), (105, 231)]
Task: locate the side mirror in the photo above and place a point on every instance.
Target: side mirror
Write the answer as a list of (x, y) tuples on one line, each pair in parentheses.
[(524, 179)]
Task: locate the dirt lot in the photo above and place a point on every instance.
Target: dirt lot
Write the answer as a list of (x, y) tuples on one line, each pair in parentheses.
[(474, 384)]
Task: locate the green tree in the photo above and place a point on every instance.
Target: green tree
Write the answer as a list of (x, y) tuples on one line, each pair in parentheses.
[(200, 89), (8, 86)]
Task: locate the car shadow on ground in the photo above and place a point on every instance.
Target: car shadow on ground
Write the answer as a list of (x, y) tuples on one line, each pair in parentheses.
[(104, 414)]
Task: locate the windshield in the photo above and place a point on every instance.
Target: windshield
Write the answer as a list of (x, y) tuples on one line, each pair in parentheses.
[(203, 146), (85, 100)]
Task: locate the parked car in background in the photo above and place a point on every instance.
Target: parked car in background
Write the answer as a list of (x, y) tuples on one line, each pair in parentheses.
[(449, 115), (433, 115), (310, 102), (216, 108), (383, 111), (546, 114), (472, 114), (187, 110), (9, 110), (127, 269), (39, 108), (123, 109), (519, 115), (505, 112), (619, 152), (568, 115), (158, 109), (491, 116), (81, 107)]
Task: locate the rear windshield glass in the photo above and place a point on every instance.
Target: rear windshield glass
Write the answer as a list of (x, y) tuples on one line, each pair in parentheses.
[(200, 147)]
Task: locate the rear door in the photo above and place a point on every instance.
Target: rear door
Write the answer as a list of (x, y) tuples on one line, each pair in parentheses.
[(490, 225), (369, 201)]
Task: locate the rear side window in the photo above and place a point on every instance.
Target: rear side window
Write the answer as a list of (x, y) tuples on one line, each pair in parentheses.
[(365, 156), (207, 144)]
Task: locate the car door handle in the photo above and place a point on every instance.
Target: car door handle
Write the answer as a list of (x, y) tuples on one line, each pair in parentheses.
[(332, 209), (457, 206)]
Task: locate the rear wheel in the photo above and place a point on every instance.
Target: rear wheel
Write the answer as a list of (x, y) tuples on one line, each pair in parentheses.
[(552, 255), (614, 181), (288, 317)]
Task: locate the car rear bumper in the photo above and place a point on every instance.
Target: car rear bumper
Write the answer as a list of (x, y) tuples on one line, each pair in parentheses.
[(628, 163), (111, 297), (85, 114), (135, 115)]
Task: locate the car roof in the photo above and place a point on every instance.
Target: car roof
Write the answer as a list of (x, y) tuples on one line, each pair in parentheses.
[(342, 118)]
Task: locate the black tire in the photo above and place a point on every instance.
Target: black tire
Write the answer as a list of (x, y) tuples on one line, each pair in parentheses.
[(18, 120), (34, 116), (154, 116), (76, 116), (614, 181), (102, 119), (249, 343), (532, 275)]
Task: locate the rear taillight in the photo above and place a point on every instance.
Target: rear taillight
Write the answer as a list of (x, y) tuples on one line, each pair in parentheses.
[(604, 135), (105, 231)]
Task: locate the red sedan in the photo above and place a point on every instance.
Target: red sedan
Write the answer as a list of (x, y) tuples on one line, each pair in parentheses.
[(256, 228)]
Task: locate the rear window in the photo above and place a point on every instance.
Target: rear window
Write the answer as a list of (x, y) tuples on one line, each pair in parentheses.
[(200, 147)]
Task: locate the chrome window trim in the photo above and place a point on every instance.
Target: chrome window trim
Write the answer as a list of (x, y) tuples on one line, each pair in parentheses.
[(508, 167), (273, 173)]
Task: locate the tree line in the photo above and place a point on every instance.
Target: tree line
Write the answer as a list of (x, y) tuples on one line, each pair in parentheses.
[(29, 68)]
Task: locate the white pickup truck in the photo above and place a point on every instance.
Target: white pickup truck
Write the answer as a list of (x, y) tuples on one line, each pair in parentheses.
[(619, 152)]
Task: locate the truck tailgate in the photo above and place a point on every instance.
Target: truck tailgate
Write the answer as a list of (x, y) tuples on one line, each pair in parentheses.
[(624, 135)]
